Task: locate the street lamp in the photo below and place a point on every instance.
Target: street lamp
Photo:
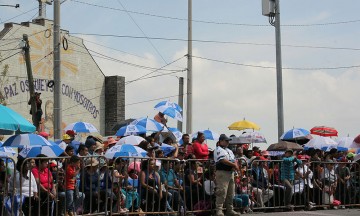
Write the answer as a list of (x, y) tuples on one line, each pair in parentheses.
[(15, 6)]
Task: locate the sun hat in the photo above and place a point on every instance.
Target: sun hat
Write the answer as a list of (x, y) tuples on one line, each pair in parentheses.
[(92, 162)]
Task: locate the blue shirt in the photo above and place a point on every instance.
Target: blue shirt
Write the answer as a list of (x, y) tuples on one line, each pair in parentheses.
[(287, 168), (168, 177)]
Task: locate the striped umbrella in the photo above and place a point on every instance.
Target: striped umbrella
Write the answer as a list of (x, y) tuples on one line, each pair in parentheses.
[(170, 109), (82, 127), (130, 130), (148, 124), (33, 151), (126, 150), (324, 131), (133, 140), (22, 140), (294, 134), (209, 134), (320, 142)]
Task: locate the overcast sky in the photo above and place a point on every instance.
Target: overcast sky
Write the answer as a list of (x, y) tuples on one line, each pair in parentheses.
[(224, 93)]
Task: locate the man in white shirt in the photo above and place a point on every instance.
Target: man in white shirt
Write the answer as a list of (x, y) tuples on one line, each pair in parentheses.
[(225, 184)]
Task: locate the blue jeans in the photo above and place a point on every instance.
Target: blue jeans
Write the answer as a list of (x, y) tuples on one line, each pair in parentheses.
[(241, 200), (73, 202)]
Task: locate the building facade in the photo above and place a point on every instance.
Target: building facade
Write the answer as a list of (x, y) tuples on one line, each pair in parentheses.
[(83, 84)]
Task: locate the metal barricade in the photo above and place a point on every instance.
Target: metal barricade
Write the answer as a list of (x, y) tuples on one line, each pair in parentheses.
[(7, 182)]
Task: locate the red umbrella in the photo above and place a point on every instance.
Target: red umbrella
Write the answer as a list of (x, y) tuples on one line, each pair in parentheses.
[(324, 131), (357, 139)]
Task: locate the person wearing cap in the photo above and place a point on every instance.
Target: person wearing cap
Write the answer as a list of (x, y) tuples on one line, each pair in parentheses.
[(66, 140), (91, 185), (350, 156), (225, 183), (288, 175), (44, 134)]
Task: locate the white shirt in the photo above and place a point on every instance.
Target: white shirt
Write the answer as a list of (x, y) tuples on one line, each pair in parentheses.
[(25, 184), (62, 145), (223, 153)]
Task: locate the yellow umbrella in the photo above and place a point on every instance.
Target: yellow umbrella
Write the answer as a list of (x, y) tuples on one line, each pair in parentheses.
[(244, 124)]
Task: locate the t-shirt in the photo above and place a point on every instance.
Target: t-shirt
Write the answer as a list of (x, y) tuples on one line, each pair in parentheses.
[(62, 145), (45, 177), (26, 184), (168, 177), (223, 153), (70, 177)]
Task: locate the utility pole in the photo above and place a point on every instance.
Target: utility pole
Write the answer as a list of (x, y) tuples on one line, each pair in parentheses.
[(180, 100), (32, 100), (57, 69), (280, 103), (189, 72), (42, 9)]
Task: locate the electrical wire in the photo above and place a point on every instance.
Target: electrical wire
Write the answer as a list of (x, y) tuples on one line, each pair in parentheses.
[(18, 15), (9, 56), (284, 68), (145, 101), (219, 23), (219, 42), (141, 77), (117, 60), (147, 38)]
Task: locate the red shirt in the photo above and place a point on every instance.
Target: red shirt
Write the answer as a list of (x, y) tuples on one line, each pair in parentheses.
[(70, 177), (189, 149), (201, 151), (45, 177)]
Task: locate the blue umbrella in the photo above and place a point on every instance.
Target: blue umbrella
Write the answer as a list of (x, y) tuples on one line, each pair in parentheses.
[(167, 149), (209, 135), (178, 135), (33, 151), (12, 121), (8, 151), (294, 134), (125, 150), (170, 109), (130, 130), (22, 140), (81, 127), (148, 124)]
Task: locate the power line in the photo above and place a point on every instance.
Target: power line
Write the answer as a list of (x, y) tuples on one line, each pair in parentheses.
[(220, 42), (18, 15), (138, 26), (117, 60), (218, 23), (141, 77), (284, 68), (140, 102), (9, 56)]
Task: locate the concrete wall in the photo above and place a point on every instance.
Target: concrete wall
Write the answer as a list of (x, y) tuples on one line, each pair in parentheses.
[(83, 83)]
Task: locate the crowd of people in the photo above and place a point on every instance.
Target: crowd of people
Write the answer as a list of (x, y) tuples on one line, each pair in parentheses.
[(231, 180)]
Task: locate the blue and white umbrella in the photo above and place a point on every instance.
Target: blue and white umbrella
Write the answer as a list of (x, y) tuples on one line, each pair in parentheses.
[(148, 124), (170, 109), (344, 143), (167, 149), (130, 130), (320, 142), (33, 151), (209, 134), (22, 140), (8, 151), (295, 133), (178, 135), (126, 150), (133, 140), (81, 127)]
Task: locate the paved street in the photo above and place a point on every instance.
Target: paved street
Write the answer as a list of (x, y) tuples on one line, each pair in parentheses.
[(342, 212)]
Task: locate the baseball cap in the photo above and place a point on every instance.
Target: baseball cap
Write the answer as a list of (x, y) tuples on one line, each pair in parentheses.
[(66, 137), (70, 133), (350, 155), (224, 137)]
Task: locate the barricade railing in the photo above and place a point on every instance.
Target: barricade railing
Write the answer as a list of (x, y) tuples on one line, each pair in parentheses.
[(7, 182), (142, 186), (314, 184)]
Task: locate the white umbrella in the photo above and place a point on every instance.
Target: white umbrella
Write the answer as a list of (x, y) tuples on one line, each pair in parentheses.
[(320, 142), (132, 139)]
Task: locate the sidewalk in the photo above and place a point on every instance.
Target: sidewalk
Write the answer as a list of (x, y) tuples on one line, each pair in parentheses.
[(342, 212)]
